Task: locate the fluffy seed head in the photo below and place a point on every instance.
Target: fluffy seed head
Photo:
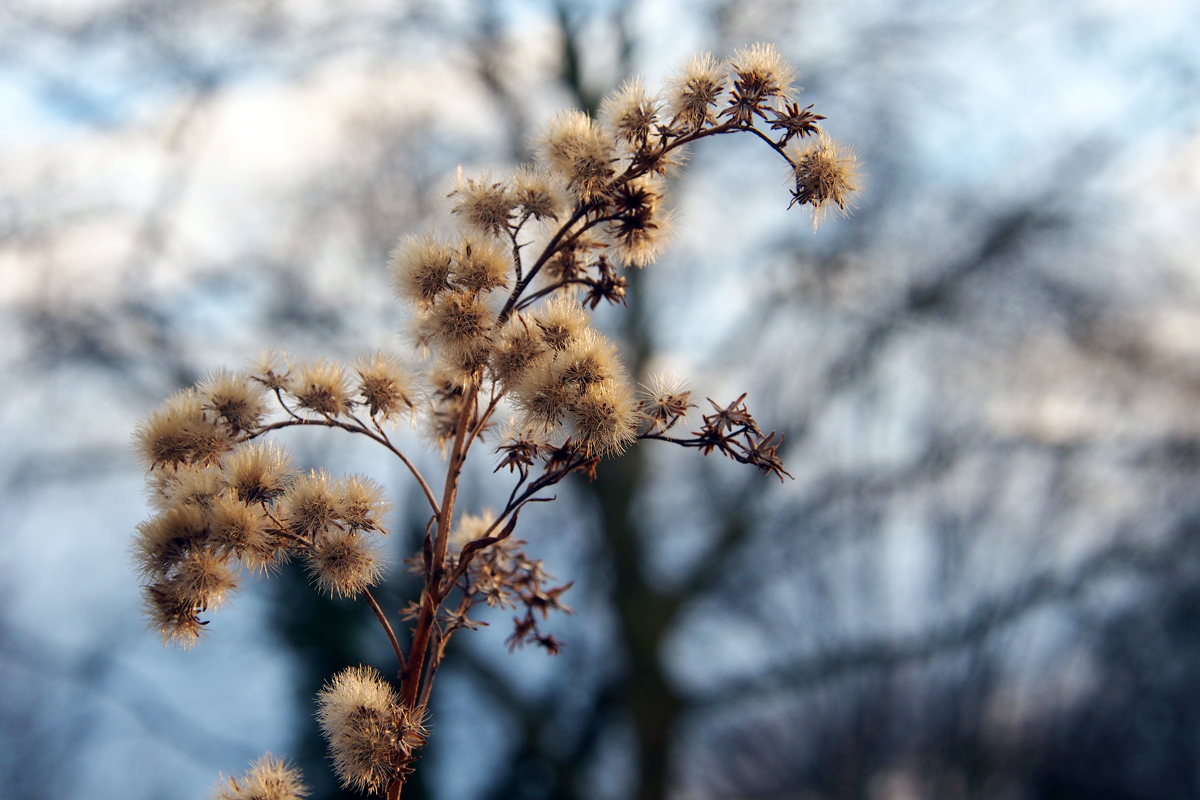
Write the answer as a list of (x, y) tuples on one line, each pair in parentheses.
[(480, 265), (268, 778), (588, 360), (179, 432), (234, 398), (538, 193), (693, 91), (642, 227), (561, 320), (310, 505), (630, 114), (258, 472), (163, 541), (171, 614), (204, 578), (542, 396), (384, 385), (362, 504), (579, 150), (760, 69), (321, 386), (420, 268), (469, 528), (365, 728), (458, 321), (519, 347), (484, 204), (605, 418), (270, 369), (667, 400), (242, 531), (191, 484), (344, 563), (826, 176)]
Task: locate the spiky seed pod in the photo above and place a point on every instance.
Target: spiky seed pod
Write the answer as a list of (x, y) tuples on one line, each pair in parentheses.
[(205, 578), (484, 204), (310, 505), (321, 386), (692, 93), (271, 370), (761, 79), (560, 320), (191, 484), (480, 265), (519, 347), (384, 385), (630, 114), (344, 563), (826, 176), (641, 227), (420, 268), (538, 193), (179, 432), (365, 728), (164, 540), (459, 321), (363, 506), (605, 418), (542, 397), (268, 778), (172, 615), (234, 398), (469, 528), (258, 472), (588, 360), (579, 150), (242, 531), (666, 401)]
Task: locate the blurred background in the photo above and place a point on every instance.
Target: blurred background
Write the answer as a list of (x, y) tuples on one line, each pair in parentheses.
[(984, 581)]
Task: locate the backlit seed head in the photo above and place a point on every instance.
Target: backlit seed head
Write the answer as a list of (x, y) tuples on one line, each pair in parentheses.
[(344, 563), (469, 528), (268, 778), (204, 577), (459, 320), (171, 614), (575, 147), (826, 176), (420, 268), (258, 472), (760, 69), (605, 418), (542, 397), (364, 726), (519, 347), (384, 385), (538, 193), (630, 114), (270, 369), (362, 503), (693, 92), (641, 227), (180, 432), (164, 540), (321, 386), (310, 505), (191, 484), (242, 531), (588, 360), (560, 320), (234, 398), (485, 205), (480, 265), (666, 401)]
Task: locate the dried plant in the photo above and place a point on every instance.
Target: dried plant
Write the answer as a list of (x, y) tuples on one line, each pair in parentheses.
[(500, 333)]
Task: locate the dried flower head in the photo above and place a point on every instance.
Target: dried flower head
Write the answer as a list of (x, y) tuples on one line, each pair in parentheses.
[(321, 386), (420, 268), (469, 528), (579, 150), (362, 504), (561, 320), (369, 734), (459, 320), (480, 265), (630, 114), (180, 433), (761, 80), (268, 778), (693, 92), (667, 401), (234, 398), (258, 472), (270, 369), (826, 175), (344, 563), (640, 227), (191, 484), (384, 386), (243, 531), (520, 346), (484, 204), (605, 418), (538, 193), (310, 505)]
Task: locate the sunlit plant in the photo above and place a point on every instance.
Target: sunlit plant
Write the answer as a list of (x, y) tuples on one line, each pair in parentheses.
[(500, 327)]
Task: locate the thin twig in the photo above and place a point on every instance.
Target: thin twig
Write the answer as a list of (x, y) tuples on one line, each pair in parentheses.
[(387, 627)]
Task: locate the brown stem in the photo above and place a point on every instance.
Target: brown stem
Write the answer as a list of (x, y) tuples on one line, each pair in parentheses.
[(387, 627)]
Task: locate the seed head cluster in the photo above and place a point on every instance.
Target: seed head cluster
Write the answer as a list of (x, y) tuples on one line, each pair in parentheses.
[(499, 323)]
